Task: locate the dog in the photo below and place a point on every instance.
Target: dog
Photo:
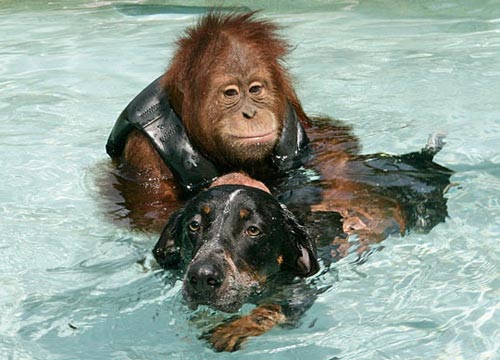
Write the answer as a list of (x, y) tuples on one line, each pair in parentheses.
[(235, 243)]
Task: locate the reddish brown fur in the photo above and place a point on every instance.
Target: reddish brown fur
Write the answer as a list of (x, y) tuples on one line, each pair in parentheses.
[(186, 77), (137, 151), (204, 53), (240, 179)]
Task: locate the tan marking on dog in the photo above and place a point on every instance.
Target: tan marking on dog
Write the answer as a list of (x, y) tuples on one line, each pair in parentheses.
[(244, 213), (206, 209)]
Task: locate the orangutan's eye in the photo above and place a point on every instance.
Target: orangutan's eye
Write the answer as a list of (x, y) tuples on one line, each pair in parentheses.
[(253, 231), (231, 91), (255, 88)]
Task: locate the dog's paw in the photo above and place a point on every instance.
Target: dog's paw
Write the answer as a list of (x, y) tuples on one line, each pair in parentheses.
[(231, 335)]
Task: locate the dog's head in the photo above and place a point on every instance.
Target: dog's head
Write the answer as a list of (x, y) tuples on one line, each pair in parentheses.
[(231, 240)]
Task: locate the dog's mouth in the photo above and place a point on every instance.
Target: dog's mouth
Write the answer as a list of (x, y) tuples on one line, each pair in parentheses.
[(227, 307), (229, 297), (227, 301)]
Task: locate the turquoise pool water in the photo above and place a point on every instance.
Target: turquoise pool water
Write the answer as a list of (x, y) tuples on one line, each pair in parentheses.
[(75, 286)]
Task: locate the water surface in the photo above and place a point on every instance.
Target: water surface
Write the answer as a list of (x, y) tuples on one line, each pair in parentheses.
[(76, 286)]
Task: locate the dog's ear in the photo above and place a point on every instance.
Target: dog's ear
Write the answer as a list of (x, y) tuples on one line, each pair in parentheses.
[(167, 250), (304, 261)]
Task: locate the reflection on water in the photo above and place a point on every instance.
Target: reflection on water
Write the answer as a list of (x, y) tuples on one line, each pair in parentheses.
[(76, 286), (156, 9)]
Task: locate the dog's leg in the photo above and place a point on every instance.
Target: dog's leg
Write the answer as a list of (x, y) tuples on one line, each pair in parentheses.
[(229, 336)]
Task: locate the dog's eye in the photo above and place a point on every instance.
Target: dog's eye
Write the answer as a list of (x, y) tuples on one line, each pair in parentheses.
[(194, 226), (253, 230)]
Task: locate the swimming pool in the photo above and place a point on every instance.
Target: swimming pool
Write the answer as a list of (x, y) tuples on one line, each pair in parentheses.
[(75, 286)]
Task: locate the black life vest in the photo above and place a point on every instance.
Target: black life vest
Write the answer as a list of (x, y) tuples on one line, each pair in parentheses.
[(151, 113)]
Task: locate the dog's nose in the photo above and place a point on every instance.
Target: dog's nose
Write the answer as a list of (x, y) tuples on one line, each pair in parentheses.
[(204, 277)]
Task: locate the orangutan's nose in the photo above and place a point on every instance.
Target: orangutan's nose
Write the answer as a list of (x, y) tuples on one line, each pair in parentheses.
[(249, 112)]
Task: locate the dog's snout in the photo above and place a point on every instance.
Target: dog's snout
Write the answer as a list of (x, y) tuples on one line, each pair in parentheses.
[(204, 277)]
